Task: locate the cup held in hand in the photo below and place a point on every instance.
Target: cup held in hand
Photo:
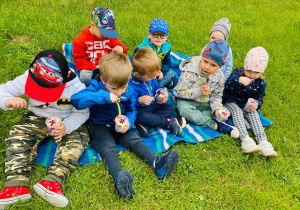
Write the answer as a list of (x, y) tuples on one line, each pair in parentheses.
[(52, 122)]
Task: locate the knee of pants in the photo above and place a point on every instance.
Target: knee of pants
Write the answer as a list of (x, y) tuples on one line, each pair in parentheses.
[(109, 148), (143, 116)]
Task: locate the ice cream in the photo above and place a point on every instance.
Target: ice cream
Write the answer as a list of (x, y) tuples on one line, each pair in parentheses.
[(121, 121), (160, 95), (250, 104), (52, 123), (223, 115)]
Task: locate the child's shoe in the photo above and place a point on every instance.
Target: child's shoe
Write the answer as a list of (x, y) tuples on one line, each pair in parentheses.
[(51, 192), (11, 195), (227, 129), (142, 129), (165, 164), (181, 121), (249, 145), (267, 149), (174, 127), (169, 85), (124, 184)]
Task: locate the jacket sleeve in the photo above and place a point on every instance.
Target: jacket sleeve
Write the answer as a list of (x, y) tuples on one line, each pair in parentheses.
[(130, 111), (261, 94), (79, 55), (216, 96), (116, 42), (166, 62), (89, 97), (11, 89), (232, 82), (228, 64), (184, 87)]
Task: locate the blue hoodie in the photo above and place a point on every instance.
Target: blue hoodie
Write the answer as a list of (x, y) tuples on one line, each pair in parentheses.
[(103, 112), (163, 53), (143, 88)]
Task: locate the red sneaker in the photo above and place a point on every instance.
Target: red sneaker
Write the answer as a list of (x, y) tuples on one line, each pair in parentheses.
[(11, 195), (51, 192)]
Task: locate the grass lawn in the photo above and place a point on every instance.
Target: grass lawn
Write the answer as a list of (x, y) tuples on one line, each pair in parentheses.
[(210, 175)]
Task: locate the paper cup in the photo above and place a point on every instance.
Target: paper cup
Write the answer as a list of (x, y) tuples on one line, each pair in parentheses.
[(52, 123), (160, 95), (223, 115), (121, 121), (250, 104)]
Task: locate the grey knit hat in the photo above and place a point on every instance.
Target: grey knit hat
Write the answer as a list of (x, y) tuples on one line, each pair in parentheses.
[(222, 25)]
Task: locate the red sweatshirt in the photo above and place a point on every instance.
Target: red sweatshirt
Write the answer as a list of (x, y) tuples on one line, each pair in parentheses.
[(88, 49)]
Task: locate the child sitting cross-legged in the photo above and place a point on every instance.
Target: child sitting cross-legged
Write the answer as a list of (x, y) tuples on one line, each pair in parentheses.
[(108, 97), (150, 112), (200, 88)]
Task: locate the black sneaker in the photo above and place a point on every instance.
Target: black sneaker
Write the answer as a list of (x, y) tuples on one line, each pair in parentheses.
[(142, 129), (174, 127), (165, 164), (124, 184), (227, 129)]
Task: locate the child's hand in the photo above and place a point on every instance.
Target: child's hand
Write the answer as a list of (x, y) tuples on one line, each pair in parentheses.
[(217, 112), (159, 75), (118, 49), (205, 90), (245, 81), (165, 98), (59, 131), (146, 100), (124, 128), (113, 98), (16, 102), (254, 107)]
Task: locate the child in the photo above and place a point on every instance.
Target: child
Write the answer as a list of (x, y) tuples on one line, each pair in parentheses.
[(221, 30), (200, 88), (111, 97), (157, 40), (243, 84), (100, 38), (144, 83), (49, 85)]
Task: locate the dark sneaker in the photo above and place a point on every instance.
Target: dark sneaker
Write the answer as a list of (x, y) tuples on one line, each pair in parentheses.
[(165, 164), (124, 184), (11, 195), (174, 127), (227, 129), (142, 129), (181, 121)]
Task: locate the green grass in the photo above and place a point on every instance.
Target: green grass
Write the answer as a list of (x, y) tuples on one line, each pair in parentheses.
[(210, 175)]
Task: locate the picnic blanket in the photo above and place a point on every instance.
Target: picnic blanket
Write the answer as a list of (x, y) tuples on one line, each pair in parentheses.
[(159, 140)]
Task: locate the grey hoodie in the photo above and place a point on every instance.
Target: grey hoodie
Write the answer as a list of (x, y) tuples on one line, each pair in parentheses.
[(191, 80), (71, 117)]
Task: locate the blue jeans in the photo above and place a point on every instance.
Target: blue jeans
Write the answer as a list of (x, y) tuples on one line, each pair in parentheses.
[(168, 77), (155, 115), (104, 140)]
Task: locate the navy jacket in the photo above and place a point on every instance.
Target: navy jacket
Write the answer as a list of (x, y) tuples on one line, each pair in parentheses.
[(239, 94)]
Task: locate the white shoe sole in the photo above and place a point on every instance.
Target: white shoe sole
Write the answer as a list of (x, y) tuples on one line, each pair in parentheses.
[(6, 203), (53, 198), (256, 149)]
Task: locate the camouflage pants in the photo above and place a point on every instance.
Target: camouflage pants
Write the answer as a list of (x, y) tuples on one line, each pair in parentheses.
[(21, 150)]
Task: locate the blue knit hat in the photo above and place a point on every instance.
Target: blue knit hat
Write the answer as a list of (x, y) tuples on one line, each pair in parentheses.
[(217, 50), (159, 25)]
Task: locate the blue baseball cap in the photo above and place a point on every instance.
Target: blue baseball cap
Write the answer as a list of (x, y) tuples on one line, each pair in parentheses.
[(159, 25), (104, 18), (217, 50)]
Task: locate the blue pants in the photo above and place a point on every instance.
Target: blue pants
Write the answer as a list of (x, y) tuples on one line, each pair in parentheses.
[(155, 115), (104, 140), (168, 77)]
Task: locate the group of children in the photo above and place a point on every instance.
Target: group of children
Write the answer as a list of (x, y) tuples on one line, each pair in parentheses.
[(111, 85)]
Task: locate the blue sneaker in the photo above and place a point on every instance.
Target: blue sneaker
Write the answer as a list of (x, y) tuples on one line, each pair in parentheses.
[(124, 184), (165, 164), (174, 127), (228, 130)]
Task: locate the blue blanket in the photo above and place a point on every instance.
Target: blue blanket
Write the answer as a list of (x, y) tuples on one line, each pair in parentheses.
[(159, 140)]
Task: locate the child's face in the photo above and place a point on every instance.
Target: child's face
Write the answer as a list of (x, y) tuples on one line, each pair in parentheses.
[(208, 66), (112, 88), (94, 29), (145, 77), (252, 74), (158, 38), (216, 35)]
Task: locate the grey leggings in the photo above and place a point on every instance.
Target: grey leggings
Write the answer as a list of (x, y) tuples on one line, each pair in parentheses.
[(238, 115)]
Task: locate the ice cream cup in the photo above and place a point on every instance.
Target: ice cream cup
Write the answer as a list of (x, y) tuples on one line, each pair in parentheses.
[(121, 121), (52, 122), (160, 95), (250, 104), (223, 115)]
